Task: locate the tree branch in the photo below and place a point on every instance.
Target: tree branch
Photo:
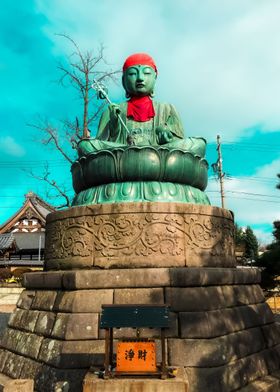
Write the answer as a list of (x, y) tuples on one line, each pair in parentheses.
[(52, 136), (46, 178)]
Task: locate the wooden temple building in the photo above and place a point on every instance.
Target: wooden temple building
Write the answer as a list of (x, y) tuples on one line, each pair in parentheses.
[(22, 236)]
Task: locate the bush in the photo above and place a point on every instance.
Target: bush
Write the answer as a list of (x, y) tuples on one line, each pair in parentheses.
[(5, 273), (18, 272)]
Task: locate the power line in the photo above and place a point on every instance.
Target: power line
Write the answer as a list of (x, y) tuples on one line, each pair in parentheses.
[(254, 194), (244, 178), (11, 206), (251, 199), (227, 145), (19, 197), (28, 164), (246, 193), (250, 143), (33, 161), (257, 178), (33, 166)]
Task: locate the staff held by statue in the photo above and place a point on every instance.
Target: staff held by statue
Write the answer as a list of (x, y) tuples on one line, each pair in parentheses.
[(102, 94)]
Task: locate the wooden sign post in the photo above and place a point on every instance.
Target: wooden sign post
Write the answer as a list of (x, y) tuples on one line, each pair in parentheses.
[(134, 356)]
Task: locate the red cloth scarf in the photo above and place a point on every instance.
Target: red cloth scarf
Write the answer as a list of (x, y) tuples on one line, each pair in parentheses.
[(140, 108)]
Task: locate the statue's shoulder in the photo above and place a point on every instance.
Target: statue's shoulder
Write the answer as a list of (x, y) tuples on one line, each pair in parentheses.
[(165, 108), (162, 104)]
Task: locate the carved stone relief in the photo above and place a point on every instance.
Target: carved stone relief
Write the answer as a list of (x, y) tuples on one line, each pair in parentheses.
[(137, 235), (69, 238), (209, 233), (140, 235)]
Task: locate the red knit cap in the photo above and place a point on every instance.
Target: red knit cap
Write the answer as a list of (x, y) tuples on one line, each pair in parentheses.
[(139, 59)]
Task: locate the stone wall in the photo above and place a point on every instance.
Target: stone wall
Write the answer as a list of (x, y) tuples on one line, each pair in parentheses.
[(220, 324)]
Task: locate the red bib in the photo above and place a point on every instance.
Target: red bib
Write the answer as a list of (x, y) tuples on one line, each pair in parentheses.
[(141, 109)]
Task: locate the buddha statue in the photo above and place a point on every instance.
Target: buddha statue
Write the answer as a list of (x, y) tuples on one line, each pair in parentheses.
[(144, 122), (140, 153)]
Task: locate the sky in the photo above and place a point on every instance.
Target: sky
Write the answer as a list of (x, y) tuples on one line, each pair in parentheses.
[(218, 62)]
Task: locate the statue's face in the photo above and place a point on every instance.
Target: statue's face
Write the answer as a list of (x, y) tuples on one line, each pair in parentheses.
[(139, 80)]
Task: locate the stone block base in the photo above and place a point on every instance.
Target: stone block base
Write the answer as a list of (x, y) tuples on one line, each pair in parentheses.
[(222, 333)]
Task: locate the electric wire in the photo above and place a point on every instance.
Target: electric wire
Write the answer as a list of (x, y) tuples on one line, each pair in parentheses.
[(246, 193), (250, 199)]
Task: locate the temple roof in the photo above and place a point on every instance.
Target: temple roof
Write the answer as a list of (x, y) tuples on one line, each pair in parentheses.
[(22, 240), (32, 206), (43, 207), (29, 240), (6, 241)]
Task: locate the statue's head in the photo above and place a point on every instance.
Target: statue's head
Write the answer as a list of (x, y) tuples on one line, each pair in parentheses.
[(139, 75)]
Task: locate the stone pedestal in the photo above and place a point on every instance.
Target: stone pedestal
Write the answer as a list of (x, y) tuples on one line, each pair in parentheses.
[(222, 333), (135, 235)]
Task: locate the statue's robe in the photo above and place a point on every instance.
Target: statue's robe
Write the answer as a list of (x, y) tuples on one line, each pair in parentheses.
[(110, 136)]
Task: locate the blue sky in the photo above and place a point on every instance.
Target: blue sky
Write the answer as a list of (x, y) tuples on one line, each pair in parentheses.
[(218, 62)]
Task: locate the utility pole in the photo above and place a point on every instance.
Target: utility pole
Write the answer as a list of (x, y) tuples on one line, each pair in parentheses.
[(220, 170), (39, 250)]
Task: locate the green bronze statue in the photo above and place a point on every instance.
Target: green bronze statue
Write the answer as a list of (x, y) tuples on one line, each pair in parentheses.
[(140, 153), (144, 122)]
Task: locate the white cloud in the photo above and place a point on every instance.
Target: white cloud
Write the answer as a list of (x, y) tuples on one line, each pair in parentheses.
[(9, 146), (264, 238), (218, 61)]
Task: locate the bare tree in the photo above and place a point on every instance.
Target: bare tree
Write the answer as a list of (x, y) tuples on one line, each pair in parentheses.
[(79, 71), (60, 189)]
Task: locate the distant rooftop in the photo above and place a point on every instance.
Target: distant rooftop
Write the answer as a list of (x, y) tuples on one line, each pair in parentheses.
[(6, 241), (22, 241), (33, 205)]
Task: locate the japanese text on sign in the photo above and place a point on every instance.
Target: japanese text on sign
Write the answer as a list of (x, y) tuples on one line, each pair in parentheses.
[(136, 356)]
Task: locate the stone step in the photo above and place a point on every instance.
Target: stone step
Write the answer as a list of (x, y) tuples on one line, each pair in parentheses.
[(3, 381), (10, 290), (180, 299), (235, 375), (270, 383), (140, 277), (9, 299), (94, 384), (8, 384)]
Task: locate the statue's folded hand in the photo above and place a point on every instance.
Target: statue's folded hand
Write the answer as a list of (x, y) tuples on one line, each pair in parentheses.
[(163, 135)]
